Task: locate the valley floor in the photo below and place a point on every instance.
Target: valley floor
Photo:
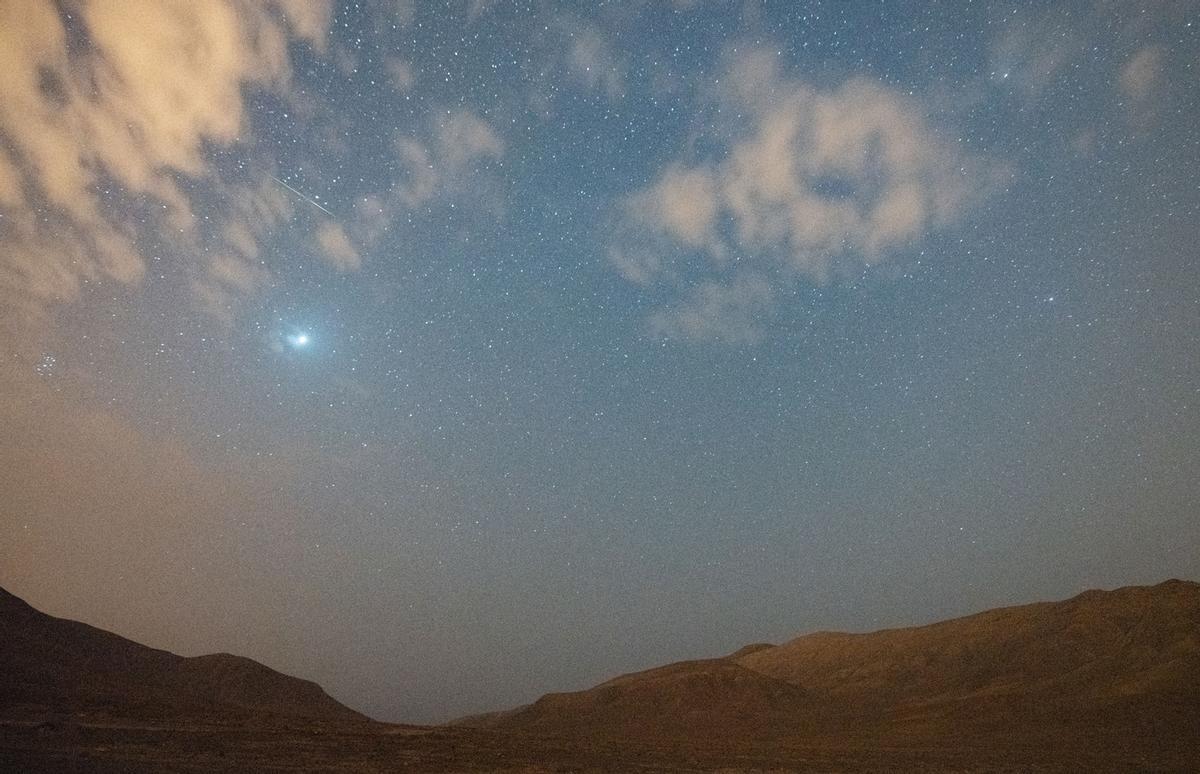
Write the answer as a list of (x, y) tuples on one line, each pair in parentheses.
[(94, 746)]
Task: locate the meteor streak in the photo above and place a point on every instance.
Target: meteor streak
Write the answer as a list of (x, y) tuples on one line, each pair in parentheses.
[(302, 196)]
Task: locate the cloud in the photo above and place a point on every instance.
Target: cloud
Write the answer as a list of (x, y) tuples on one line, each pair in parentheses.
[(1033, 52), (372, 218), (731, 312), (405, 12), (463, 137), (810, 184), (1142, 74), (451, 161), (681, 209), (461, 144), (685, 203), (339, 253), (107, 115), (421, 182), (1142, 83), (477, 8), (573, 55), (592, 60), (226, 279), (401, 74)]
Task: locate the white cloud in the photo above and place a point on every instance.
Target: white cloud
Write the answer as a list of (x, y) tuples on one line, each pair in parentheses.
[(219, 285), (463, 138), (813, 183), (95, 130), (685, 203), (680, 209), (640, 262), (339, 252)]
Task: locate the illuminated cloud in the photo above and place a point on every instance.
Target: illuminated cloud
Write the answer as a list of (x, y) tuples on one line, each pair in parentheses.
[(335, 245), (463, 138), (461, 144), (815, 184), (107, 122), (684, 203)]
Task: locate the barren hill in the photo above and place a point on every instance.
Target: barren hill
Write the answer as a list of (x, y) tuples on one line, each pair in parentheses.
[(52, 664), (1098, 645), (1105, 681), (1103, 670)]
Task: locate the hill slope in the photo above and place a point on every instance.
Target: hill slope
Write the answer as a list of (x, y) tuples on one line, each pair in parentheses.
[(52, 664), (1099, 644), (1104, 669)]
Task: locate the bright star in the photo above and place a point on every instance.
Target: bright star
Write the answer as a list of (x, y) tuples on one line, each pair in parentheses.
[(298, 340)]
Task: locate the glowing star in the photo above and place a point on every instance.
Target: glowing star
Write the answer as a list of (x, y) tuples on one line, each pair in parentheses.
[(298, 340)]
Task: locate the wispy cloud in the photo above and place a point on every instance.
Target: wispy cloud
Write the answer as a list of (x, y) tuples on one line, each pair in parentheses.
[(732, 312), (592, 59), (812, 184), (460, 145), (1142, 82), (107, 116), (1031, 54), (336, 246), (401, 74)]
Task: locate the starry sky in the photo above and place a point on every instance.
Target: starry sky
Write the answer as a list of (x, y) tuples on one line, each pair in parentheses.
[(452, 353)]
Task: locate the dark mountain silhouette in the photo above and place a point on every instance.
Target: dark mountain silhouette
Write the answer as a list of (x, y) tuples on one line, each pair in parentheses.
[(52, 664)]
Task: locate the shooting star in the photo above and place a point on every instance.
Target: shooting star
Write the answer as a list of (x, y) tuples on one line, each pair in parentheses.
[(302, 196)]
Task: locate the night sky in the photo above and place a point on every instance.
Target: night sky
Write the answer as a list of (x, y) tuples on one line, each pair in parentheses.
[(450, 354)]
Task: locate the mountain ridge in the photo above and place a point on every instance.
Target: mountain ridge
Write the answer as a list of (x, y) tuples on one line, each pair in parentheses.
[(1103, 662), (59, 666), (1102, 681)]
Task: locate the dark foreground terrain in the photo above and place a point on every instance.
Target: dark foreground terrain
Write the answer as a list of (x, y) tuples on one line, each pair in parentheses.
[(1105, 681), (199, 747)]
